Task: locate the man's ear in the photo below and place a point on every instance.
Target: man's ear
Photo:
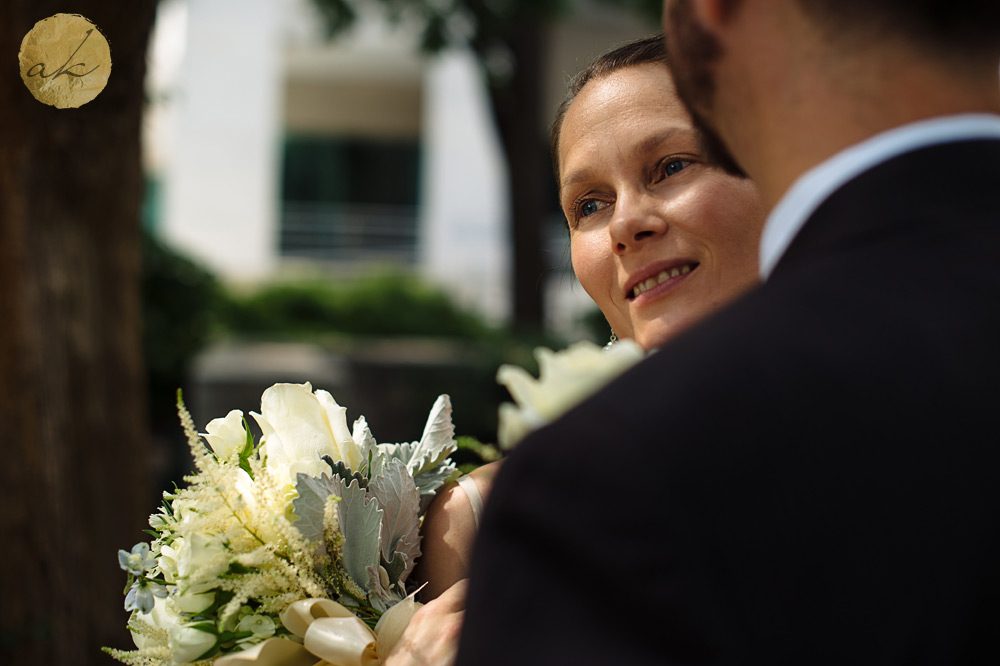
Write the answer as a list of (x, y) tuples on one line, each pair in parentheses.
[(713, 14)]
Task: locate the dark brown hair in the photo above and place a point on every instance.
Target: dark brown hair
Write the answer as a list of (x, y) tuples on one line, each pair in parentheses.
[(639, 52), (950, 28)]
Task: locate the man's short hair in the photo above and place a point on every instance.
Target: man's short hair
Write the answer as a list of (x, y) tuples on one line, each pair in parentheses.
[(962, 28)]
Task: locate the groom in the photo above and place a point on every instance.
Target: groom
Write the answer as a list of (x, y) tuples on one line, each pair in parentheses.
[(813, 475)]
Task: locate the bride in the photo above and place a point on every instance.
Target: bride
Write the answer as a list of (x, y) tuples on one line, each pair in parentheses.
[(659, 238)]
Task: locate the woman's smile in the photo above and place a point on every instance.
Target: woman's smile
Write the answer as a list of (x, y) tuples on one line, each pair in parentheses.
[(660, 282)]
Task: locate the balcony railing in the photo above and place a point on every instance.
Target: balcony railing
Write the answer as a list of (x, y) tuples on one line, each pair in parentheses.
[(349, 232)]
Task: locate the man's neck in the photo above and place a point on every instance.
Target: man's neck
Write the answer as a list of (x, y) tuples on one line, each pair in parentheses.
[(778, 138)]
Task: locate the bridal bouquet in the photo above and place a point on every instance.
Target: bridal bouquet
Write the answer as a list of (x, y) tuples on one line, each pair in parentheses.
[(295, 549)]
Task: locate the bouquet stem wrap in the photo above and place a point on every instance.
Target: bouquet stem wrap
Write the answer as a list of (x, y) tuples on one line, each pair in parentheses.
[(332, 636)]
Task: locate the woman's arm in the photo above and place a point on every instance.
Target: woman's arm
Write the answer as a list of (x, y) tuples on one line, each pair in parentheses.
[(449, 531)]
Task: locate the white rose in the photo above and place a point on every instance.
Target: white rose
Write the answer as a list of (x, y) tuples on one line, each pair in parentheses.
[(565, 379), (167, 561), (226, 436), (163, 616), (201, 559), (193, 602), (187, 644), (300, 427), (246, 499)]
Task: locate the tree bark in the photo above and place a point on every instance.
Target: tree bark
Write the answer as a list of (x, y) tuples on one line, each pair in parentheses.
[(518, 109), (74, 480)]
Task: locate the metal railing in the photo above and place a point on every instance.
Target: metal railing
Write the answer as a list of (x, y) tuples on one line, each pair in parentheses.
[(348, 232)]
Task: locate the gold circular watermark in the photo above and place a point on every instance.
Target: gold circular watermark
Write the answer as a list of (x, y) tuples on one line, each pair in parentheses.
[(65, 61)]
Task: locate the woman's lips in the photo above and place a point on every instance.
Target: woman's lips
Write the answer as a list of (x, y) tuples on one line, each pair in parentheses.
[(661, 282)]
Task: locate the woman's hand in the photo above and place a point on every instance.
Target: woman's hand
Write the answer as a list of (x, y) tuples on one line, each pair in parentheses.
[(431, 637)]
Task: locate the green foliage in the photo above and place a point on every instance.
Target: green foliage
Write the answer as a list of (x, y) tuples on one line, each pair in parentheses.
[(483, 25), (179, 301), (386, 305), (471, 453), (490, 29)]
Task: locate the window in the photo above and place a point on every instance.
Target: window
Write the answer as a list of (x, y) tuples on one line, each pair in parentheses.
[(350, 199)]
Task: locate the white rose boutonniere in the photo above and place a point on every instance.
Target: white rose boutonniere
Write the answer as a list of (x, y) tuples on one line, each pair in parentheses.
[(566, 378)]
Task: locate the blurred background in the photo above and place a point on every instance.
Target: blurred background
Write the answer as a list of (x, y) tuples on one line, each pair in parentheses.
[(356, 193)]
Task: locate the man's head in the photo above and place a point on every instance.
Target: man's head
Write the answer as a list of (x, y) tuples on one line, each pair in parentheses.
[(954, 31), (759, 72), (696, 51)]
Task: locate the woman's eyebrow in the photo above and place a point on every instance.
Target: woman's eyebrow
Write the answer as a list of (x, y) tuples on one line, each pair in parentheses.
[(653, 141), (647, 145), (574, 177)]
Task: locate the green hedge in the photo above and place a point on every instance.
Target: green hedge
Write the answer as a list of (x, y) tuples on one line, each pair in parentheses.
[(379, 305)]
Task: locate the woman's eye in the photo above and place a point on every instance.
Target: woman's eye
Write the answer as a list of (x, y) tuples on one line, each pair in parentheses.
[(589, 207), (673, 166)]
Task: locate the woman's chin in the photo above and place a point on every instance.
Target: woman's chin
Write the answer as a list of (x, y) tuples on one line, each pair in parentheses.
[(659, 332)]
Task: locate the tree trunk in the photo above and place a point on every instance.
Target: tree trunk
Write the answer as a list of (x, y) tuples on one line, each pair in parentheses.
[(518, 109), (74, 477)]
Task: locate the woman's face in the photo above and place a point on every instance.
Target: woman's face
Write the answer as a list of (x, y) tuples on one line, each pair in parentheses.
[(658, 238)]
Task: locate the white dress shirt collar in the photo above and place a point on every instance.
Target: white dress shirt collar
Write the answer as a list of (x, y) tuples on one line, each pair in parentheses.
[(814, 186)]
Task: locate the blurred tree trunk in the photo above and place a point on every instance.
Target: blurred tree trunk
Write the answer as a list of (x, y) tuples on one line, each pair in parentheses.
[(74, 479), (518, 107)]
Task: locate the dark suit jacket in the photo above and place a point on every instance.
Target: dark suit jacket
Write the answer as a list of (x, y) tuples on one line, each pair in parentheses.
[(811, 476)]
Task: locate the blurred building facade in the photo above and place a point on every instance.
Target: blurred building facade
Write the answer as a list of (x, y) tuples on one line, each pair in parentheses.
[(274, 152)]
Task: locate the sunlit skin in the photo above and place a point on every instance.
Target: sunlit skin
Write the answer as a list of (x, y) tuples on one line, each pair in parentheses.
[(639, 199)]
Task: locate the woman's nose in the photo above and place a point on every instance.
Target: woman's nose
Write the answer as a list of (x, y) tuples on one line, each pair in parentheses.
[(636, 219)]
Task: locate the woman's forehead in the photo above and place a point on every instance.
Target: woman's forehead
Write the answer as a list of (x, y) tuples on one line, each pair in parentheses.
[(630, 121)]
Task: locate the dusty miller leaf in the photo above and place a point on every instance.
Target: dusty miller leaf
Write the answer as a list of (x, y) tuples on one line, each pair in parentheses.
[(427, 460), (361, 524), (438, 439), (379, 593), (430, 481), (399, 501), (362, 436), (310, 505), (344, 472)]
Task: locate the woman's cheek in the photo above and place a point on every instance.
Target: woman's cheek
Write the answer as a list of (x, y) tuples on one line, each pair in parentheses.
[(595, 268)]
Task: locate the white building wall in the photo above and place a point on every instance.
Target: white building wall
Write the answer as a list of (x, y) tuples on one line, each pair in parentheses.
[(464, 211), (221, 182)]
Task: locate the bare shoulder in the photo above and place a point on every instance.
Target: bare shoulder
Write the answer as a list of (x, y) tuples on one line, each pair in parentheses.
[(483, 476), (448, 531)]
